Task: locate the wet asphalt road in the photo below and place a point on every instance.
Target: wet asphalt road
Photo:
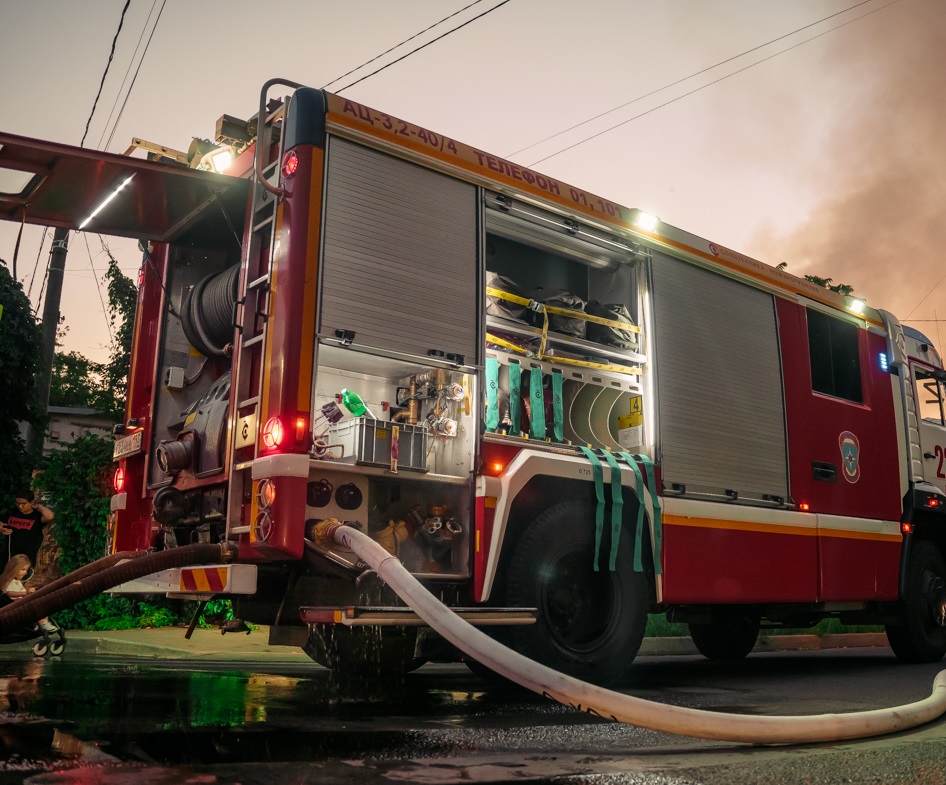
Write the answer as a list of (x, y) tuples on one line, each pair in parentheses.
[(109, 720)]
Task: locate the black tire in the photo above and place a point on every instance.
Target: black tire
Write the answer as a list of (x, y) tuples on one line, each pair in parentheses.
[(589, 624), (726, 640), (363, 652), (922, 635)]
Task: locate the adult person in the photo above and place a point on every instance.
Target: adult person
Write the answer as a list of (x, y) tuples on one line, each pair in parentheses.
[(24, 525)]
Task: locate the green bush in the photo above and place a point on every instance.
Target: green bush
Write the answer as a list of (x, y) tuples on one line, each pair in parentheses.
[(77, 481)]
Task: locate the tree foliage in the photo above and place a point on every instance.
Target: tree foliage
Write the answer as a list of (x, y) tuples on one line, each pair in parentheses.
[(80, 382), (20, 351), (827, 283)]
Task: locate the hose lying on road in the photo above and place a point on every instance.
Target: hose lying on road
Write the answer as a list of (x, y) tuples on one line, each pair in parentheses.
[(102, 575), (626, 708)]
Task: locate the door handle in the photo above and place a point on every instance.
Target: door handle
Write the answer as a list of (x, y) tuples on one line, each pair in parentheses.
[(824, 472)]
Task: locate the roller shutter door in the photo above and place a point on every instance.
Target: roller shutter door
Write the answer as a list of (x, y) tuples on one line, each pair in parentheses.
[(400, 259), (719, 383)]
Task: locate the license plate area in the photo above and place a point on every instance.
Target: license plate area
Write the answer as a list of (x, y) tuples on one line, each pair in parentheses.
[(127, 445)]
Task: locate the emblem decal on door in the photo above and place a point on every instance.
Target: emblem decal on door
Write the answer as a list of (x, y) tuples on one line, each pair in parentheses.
[(850, 456)]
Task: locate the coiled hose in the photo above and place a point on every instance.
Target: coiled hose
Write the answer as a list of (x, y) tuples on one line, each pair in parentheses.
[(105, 574), (627, 708)]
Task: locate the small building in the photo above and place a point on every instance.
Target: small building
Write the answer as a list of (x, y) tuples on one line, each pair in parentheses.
[(69, 423)]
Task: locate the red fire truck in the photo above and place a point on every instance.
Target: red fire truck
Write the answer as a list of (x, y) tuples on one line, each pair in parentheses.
[(560, 414)]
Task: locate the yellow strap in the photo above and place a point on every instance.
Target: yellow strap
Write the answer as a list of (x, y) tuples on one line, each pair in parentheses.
[(626, 326), (628, 369), (547, 309), (513, 298), (495, 339)]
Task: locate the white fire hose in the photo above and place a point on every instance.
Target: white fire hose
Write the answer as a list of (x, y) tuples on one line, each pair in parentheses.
[(616, 706)]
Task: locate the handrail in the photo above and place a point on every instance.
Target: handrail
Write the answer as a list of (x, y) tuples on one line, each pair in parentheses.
[(260, 126)]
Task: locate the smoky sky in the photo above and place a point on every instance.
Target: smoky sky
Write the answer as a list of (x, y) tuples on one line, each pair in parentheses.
[(881, 225)]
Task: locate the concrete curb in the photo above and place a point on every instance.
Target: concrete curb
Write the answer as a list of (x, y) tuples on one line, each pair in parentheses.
[(669, 646), (170, 643), (210, 645)]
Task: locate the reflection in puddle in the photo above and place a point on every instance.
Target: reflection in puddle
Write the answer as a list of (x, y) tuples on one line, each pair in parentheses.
[(67, 713)]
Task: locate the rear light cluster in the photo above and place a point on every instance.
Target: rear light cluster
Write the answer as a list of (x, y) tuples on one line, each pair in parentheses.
[(118, 480), (273, 433), (276, 435), (290, 164), (265, 496)]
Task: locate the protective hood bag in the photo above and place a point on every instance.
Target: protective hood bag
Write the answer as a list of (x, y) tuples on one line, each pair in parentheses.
[(496, 306), (611, 336), (559, 298)]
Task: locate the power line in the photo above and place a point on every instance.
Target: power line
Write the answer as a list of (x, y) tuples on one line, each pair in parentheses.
[(111, 54), (98, 286), (406, 40), (684, 79), (39, 253), (131, 62), (422, 46), (709, 84), (924, 298), (135, 78)]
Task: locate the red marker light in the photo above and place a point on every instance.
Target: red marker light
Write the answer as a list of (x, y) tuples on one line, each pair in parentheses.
[(118, 480), (290, 164), (273, 433), (804, 506), (906, 528)]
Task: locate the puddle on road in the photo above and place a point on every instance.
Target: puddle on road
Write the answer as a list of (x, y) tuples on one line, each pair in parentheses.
[(69, 712)]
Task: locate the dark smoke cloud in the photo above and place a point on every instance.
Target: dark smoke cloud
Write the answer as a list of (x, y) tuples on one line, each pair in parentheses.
[(882, 224)]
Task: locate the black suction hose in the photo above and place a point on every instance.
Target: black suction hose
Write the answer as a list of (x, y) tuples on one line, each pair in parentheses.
[(36, 606)]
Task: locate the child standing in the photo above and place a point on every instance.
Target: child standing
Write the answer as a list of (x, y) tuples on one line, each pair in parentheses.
[(11, 582)]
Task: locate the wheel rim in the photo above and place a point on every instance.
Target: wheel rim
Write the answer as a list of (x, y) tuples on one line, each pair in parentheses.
[(578, 602), (934, 589)]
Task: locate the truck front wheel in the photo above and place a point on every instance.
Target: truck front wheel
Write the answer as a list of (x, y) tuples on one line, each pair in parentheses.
[(589, 623), (921, 637)]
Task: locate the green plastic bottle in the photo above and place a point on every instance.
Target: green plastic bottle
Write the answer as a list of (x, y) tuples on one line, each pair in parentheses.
[(355, 405)]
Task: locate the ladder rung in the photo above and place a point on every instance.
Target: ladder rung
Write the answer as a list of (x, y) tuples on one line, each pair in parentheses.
[(253, 341), (243, 466), (248, 402), (257, 282), (265, 222)]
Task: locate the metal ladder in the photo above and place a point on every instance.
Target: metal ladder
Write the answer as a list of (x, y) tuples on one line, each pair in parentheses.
[(251, 318)]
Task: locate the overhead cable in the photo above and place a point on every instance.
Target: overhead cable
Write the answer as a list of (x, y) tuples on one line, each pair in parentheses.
[(111, 54), (406, 40), (683, 79), (134, 79), (131, 62), (422, 46), (708, 84)]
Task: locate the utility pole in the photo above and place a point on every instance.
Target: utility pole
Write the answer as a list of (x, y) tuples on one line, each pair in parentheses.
[(57, 266)]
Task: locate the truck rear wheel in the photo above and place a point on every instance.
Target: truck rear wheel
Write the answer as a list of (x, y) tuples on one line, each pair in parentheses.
[(589, 624), (725, 639), (922, 635)]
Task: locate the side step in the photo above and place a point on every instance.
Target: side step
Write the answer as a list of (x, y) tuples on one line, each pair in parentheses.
[(405, 617)]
